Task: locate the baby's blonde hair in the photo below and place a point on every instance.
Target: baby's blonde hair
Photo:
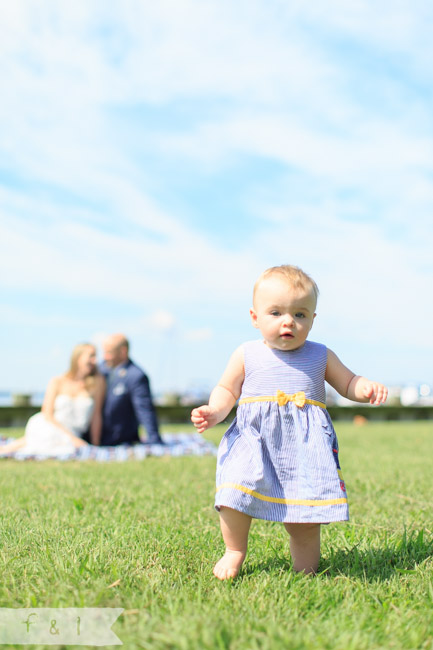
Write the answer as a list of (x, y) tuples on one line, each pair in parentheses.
[(295, 276)]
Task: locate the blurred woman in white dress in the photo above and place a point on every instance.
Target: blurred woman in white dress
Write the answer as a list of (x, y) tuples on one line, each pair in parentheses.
[(72, 405)]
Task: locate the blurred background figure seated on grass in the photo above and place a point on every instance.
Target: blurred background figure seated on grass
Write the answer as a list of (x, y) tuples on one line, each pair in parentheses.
[(72, 405), (128, 400)]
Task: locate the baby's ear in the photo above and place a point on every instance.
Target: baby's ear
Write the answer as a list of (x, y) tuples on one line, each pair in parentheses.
[(253, 317), (314, 316)]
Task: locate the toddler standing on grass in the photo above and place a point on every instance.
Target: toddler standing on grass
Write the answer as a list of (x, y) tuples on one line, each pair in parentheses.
[(279, 458)]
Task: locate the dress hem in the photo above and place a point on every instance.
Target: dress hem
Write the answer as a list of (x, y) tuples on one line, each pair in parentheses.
[(283, 513)]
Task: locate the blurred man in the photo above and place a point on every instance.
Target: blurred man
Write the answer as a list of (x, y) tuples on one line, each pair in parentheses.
[(128, 401)]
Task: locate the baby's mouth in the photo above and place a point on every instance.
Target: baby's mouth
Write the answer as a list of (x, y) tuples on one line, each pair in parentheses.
[(287, 335)]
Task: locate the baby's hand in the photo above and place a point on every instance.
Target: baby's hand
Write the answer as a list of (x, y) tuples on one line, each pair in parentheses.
[(375, 393), (203, 417)]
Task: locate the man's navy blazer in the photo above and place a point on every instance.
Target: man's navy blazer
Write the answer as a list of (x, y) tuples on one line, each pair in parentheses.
[(128, 403)]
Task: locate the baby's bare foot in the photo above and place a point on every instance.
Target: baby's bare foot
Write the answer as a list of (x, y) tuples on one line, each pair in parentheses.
[(229, 565)]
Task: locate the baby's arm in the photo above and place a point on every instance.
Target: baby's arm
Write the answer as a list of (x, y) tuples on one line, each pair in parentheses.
[(224, 395), (354, 387)]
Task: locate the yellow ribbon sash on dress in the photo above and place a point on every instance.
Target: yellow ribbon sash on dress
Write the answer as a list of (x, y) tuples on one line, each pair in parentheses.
[(283, 398), (287, 502)]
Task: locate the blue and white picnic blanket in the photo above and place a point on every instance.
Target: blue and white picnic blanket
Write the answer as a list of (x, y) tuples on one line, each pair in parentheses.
[(176, 444)]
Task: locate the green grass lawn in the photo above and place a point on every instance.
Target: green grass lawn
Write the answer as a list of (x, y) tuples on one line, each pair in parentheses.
[(143, 535)]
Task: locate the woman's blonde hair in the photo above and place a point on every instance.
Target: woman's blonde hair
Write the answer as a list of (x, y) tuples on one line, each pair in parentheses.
[(295, 276), (77, 351)]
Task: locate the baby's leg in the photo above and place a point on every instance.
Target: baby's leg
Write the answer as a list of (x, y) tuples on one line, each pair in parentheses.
[(235, 527), (304, 546)]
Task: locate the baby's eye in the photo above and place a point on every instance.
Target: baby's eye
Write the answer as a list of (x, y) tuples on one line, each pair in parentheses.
[(299, 315), (274, 312)]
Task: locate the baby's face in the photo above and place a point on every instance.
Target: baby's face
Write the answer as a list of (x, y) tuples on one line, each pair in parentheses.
[(284, 315)]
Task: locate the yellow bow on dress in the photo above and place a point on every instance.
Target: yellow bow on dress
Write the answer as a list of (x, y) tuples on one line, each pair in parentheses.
[(298, 398), (282, 398)]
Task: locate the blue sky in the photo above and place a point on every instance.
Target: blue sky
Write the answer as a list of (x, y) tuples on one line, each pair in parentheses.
[(156, 157)]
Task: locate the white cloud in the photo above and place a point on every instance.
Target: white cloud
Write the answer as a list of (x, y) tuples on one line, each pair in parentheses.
[(394, 26), (371, 156), (162, 320), (83, 260), (202, 334)]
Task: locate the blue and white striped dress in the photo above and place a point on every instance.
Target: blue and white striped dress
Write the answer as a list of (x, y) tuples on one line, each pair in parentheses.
[(281, 462)]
